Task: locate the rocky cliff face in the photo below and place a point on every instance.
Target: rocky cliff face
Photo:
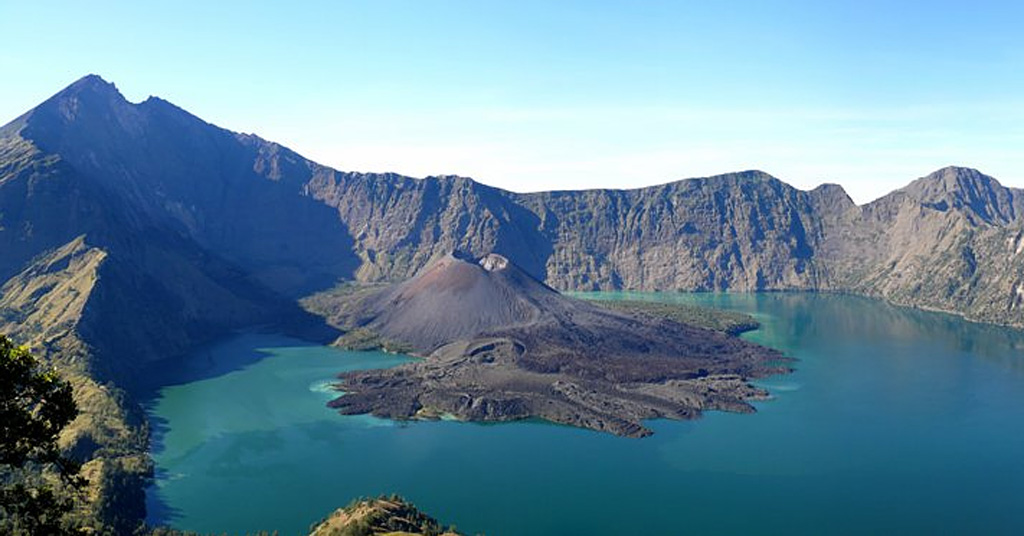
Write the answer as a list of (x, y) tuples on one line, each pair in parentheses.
[(742, 231), (949, 241)]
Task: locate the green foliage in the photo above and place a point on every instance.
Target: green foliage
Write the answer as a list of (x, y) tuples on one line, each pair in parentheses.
[(164, 531), (35, 405), (730, 322), (364, 339), (359, 339)]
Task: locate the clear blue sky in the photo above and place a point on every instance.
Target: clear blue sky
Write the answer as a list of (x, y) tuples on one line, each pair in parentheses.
[(532, 95)]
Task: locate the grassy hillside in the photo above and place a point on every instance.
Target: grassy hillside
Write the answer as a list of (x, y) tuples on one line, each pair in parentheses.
[(383, 516), (729, 322)]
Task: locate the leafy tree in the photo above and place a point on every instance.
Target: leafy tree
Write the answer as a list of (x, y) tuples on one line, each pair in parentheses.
[(35, 405)]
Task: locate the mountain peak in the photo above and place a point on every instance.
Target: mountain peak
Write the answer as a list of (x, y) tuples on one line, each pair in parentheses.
[(957, 174), (92, 88), (953, 179), (458, 297), (93, 81), (86, 99), (965, 189), (67, 104), (832, 197), (83, 118)]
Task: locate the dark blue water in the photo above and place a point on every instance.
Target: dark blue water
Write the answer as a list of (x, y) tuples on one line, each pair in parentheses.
[(896, 422)]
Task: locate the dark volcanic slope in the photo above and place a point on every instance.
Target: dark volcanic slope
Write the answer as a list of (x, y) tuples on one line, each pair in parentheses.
[(131, 233), (454, 299), (500, 345)]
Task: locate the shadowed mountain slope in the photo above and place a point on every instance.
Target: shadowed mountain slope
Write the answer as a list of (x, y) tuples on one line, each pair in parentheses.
[(234, 194), (455, 299), (950, 241), (99, 278)]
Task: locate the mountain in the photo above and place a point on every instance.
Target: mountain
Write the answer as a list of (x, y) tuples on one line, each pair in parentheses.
[(951, 241), (234, 194), (133, 232), (741, 232), (455, 299), (295, 226), (101, 273), (500, 345), (738, 231)]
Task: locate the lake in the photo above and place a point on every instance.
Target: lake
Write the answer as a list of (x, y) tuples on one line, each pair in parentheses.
[(895, 421)]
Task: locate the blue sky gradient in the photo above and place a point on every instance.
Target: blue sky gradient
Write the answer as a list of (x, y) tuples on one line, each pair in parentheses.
[(533, 95)]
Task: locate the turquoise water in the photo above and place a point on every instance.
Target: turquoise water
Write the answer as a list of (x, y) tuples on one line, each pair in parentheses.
[(896, 422)]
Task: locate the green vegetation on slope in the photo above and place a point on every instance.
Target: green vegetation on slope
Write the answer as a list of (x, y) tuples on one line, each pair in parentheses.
[(730, 322), (43, 307), (38, 483), (391, 515), (364, 339), (342, 307), (340, 304)]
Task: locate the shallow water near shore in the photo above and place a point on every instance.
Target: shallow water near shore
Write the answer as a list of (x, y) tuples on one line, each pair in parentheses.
[(895, 421)]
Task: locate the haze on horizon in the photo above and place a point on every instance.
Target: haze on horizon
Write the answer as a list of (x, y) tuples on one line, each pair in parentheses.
[(536, 96)]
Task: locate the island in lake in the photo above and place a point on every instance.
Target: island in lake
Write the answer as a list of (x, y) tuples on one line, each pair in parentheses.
[(499, 345)]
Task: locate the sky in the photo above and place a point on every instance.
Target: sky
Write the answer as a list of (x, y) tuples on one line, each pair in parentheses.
[(538, 95)]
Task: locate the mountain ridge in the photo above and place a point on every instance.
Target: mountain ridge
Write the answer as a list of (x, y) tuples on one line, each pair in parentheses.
[(738, 231), (95, 85)]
